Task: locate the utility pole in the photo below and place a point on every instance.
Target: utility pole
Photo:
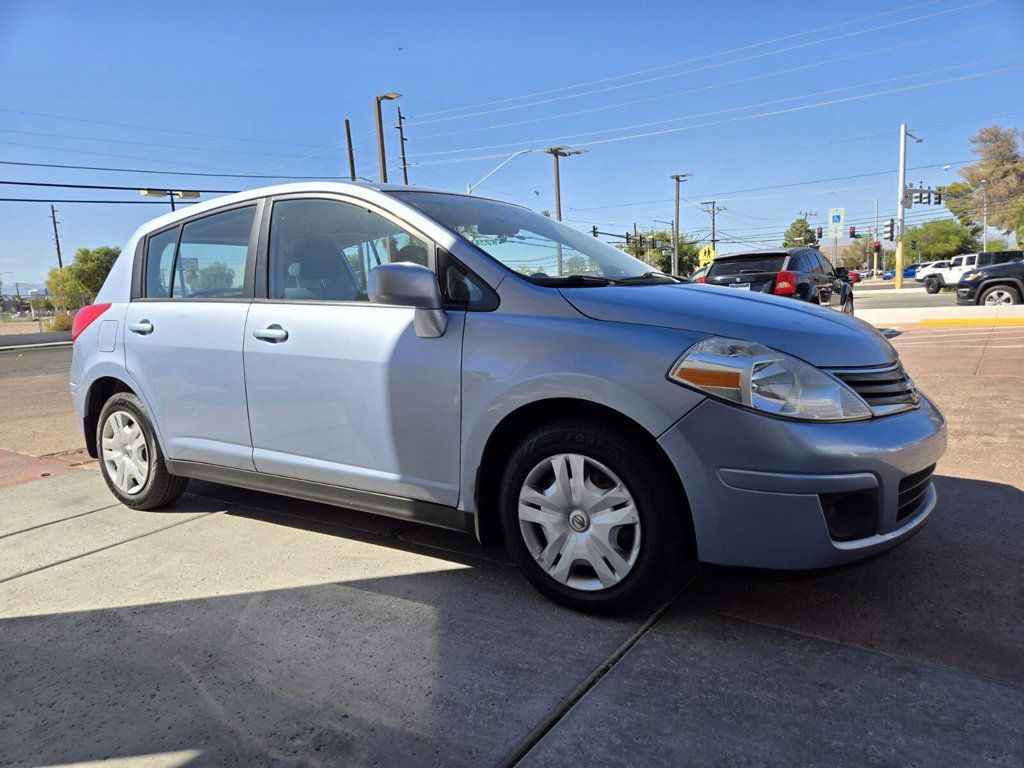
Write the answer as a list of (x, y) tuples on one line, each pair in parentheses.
[(351, 156), (901, 209), (678, 178), (984, 216), (401, 139), (56, 237), (713, 210), (381, 157)]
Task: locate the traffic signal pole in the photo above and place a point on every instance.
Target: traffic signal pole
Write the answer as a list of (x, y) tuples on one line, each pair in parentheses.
[(901, 207)]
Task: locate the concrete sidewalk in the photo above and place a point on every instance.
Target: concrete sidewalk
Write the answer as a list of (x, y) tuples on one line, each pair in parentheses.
[(951, 315)]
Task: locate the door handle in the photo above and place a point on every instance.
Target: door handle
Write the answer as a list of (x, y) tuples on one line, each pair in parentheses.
[(142, 327), (273, 334)]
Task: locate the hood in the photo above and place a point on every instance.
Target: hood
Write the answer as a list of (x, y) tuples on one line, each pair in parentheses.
[(822, 337)]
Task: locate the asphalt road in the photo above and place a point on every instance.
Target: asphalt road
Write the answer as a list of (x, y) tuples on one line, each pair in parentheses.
[(240, 628), (887, 298)]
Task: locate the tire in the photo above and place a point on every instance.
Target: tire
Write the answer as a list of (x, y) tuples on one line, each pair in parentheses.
[(932, 285), (641, 549), (130, 457), (999, 294)]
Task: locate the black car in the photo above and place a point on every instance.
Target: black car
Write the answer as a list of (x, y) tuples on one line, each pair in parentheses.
[(802, 273), (993, 285)]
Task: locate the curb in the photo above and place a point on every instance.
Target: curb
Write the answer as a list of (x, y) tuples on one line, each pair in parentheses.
[(37, 346), (972, 321)]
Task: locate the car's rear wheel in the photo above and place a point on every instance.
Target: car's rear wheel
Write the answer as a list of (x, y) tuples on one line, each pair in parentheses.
[(1000, 294), (590, 521), (932, 285), (130, 457)]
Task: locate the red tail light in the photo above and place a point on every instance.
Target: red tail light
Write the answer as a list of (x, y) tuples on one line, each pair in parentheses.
[(85, 317), (699, 279), (785, 283)]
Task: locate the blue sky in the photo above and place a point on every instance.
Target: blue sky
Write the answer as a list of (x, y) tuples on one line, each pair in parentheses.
[(754, 99)]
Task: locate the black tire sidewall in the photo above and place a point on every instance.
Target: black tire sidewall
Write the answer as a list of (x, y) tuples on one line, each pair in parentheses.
[(1014, 293), (662, 545), (125, 401), (931, 285)]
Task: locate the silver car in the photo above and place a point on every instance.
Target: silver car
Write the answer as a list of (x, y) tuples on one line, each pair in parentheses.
[(471, 364)]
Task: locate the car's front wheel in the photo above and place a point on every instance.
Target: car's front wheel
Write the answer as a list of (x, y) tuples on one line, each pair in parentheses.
[(590, 520), (130, 457), (932, 285), (1000, 294)]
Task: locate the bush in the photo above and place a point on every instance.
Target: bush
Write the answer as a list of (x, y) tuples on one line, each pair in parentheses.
[(61, 322)]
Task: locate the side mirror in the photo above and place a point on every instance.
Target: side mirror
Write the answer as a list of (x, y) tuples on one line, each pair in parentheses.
[(842, 273), (410, 285)]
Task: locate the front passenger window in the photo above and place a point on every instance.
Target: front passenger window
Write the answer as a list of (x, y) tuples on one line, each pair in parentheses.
[(323, 250)]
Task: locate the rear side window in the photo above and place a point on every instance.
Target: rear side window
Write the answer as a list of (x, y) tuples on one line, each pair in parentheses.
[(746, 265), (160, 262), (204, 259), (211, 256)]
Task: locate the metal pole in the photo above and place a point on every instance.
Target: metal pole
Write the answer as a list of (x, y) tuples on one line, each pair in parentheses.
[(401, 139), (901, 210), (558, 190), (351, 156), (380, 144), (714, 232), (675, 233), (877, 238), (170, 194), (984, 221), (56, 237)]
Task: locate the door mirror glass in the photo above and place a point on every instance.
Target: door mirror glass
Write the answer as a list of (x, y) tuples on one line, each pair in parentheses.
[(842, 273), (410, 285)]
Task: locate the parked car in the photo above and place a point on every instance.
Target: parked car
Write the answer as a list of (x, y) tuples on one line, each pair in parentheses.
[(799, 273), (992, 285), (698, 274), (471, 364), (909, 272), (959, 266)]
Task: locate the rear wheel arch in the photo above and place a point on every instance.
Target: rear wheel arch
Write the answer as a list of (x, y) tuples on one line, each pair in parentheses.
[(99, 392), (515, 426)]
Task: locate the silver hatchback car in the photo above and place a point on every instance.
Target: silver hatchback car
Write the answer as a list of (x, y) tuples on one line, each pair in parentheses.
[(471, 364)]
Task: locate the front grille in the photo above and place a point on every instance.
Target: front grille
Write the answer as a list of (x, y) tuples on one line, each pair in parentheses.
[(913, 489), (885, 389)]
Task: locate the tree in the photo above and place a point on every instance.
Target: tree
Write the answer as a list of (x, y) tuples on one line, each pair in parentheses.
[(657, 250), (92, 265), (216, 276), (958, 198), (1000, 165), (799, 233), (858, 252), (940, 239), (66, 291)]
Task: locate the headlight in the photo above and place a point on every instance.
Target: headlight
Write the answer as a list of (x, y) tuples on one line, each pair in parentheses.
[(757, 377), (972, 276)]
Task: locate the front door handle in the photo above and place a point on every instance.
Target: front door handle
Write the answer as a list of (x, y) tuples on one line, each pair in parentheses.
[(273, 334), (142, 327)]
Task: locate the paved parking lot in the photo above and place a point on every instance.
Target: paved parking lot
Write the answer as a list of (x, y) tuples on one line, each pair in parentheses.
[(240, 628)]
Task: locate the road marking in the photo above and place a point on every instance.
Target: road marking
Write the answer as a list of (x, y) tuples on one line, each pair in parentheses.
[(973, 321)]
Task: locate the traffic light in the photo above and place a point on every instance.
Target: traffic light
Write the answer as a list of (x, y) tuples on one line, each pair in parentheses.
[(938, 198), (818, 232), (877, 247), (890, 229), (629, 238), (913, 245), (853, 233), (917, 198), (593, 230)]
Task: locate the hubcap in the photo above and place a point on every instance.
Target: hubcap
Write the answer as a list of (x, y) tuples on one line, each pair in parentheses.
[(579, 522), (125, 454), (999, 297)]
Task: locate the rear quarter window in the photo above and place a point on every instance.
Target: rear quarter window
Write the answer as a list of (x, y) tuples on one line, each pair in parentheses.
[(746, 264)]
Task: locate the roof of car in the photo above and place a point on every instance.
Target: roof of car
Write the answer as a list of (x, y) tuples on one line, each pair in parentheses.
[(767, 252)]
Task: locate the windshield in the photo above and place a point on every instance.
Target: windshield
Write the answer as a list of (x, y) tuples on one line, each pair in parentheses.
[(749, 264), (535, 246)]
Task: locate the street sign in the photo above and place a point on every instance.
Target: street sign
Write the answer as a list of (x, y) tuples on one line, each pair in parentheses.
[(705, 256), (836, 219)]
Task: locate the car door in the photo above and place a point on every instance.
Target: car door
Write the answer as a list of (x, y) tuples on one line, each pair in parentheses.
[(183, 335), (342, 391), (832, 281)]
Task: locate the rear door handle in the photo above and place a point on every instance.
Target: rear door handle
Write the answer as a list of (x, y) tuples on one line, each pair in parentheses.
[(142, 327), (273, 334)]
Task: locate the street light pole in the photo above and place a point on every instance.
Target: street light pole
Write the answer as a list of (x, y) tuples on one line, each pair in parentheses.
[(502, 164), (557, 152), (984, 215), (678, 178), (901, 207), (380, 133), (170, 194), (351, 156)]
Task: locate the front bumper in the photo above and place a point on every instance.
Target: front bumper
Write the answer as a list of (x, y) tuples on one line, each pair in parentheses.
[(967, 294), (756, 484)]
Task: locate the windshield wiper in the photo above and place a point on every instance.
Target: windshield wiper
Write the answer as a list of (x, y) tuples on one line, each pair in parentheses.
[(646, 276), (573, 280)]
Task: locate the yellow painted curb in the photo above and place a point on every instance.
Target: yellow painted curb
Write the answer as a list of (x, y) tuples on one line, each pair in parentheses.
[(973, 321)]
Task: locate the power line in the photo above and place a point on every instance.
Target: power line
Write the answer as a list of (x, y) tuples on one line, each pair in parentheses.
[(53, 200), (101, 186), (166, 173), (699, 69)]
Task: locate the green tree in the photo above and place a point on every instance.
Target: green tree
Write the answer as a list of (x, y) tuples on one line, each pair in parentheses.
[(996, 245), (657, 250), (1000, 165), (959, 200), (941, 239), (92, 265), (799, 233), (215, 276), (859, 252), (66, 291)]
